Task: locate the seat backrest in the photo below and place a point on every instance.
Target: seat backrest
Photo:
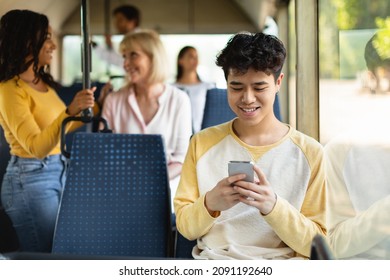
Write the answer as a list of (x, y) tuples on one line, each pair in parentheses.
[(116, 201), (277, 111), (217, 108)]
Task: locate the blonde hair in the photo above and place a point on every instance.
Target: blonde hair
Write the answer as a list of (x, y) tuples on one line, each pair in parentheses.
[(150, 43)]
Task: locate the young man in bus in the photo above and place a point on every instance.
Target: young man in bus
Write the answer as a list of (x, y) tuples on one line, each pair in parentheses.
[(278, 214)]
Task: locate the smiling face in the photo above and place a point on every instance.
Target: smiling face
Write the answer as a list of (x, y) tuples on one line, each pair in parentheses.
[(46, 52), (251, 96), (137, 64)]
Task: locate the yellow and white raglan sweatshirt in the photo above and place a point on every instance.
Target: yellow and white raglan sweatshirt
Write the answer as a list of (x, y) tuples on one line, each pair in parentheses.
[(295, 169)]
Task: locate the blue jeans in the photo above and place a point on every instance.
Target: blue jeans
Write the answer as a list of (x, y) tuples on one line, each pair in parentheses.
[(31, 193)]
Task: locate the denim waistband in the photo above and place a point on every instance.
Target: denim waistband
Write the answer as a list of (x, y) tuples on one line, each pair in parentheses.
[(53, 158)]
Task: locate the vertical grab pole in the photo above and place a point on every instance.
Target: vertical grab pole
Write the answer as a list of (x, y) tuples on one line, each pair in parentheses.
[(107, 31), (86, 53), (87, 114)]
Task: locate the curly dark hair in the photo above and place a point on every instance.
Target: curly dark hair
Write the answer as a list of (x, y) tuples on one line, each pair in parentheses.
[(259, 51), (22, 35)]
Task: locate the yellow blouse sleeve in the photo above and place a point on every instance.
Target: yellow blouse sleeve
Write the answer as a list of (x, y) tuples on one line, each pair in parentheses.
[(16, 114)]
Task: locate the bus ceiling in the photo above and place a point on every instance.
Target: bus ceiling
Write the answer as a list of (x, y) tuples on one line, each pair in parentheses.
[(165, 16)]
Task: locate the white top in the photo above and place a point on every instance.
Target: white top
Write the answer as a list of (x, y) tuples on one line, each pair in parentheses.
[(197, 94), (109, 55)]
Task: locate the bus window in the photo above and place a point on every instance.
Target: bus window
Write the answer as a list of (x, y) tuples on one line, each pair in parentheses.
[(207, 45), (349, 94), (354, 54)]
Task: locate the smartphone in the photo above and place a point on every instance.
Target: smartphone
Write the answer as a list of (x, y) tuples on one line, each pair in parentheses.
[(242, 167)]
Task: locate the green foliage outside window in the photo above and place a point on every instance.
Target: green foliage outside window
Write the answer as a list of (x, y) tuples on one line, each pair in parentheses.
[(382, 40)]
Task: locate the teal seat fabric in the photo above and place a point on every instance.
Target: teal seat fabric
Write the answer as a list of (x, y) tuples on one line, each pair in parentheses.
[(217, 108)]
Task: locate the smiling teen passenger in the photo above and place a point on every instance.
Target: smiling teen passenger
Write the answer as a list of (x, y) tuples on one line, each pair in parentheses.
[(31, 115), (277, 216)]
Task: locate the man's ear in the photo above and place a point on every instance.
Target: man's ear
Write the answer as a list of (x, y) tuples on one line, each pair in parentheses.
[(279, 81)]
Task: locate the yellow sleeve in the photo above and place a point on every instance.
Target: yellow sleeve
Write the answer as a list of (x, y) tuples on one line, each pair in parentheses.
[(14, 107), (298, 228), (192, 218)]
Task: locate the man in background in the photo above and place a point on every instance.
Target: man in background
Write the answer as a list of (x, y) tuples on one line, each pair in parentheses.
[(126, 19)]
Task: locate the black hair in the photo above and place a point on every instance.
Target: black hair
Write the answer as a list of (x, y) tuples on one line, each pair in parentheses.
[(182, 52), (258, 51), (130, 12), (22, 35)]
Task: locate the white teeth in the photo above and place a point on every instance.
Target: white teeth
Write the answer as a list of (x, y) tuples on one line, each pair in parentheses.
[(249, 110)]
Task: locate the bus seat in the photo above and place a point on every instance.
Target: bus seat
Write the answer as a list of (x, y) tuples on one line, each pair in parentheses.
[(277, 112), (116, 201), (217, 108)]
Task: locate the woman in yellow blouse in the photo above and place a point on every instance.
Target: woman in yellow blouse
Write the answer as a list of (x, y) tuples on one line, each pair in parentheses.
[(31, 114)]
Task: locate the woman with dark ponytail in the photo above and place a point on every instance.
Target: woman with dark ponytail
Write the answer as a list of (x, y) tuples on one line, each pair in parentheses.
[(187, 79)]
